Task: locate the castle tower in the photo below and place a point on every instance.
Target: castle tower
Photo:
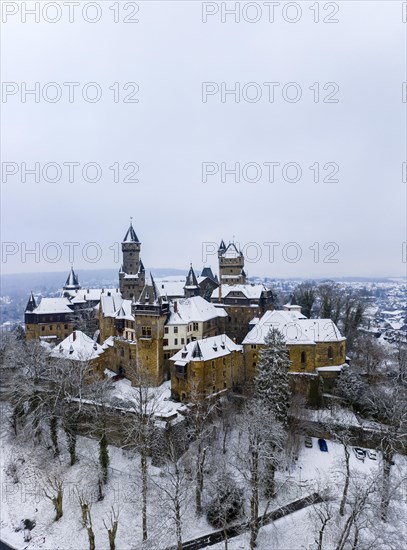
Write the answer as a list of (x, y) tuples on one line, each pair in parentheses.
[(231, 265), (191, 287), (150, 312), (132, 273)]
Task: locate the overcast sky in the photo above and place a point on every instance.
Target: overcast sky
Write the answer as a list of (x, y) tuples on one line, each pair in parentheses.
[(170, 132)]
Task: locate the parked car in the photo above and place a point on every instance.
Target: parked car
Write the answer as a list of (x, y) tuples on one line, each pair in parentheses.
[(359, 453), (322, 445), (308, 441), (372, 454)]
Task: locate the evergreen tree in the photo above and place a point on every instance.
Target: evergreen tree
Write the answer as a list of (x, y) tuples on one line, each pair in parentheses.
[(272, 383)]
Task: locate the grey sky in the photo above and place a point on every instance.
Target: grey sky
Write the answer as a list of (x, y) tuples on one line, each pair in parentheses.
[(170, 132)]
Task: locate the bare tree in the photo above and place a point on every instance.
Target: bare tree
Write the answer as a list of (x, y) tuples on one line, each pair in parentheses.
[(173, 485), (87, 519), (112, 527), (200, 427), (260, 439), (55, 494), (139, 431)]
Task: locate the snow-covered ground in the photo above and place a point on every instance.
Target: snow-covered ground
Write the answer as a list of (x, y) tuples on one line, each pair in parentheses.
[(26, 499)]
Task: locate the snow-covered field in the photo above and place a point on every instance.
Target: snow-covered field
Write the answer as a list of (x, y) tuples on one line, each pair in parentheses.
[(26, 499)]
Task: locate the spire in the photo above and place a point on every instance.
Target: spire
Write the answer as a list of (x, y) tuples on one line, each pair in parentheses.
[(191, 281), (72, 281), (141, 268), (31, 304), (222, 246), (155, 291), (130, 236)]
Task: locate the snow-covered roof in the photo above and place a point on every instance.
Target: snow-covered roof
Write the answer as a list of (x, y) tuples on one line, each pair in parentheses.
[(194, 309), (231, 251), (89, 294), (206, 349), (251, 292), (53, 305), (296, 329), (173, 287), (78, 347), (115, 306), (331, 368)]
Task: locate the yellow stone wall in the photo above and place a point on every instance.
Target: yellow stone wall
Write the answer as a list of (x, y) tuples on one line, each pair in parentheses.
[(315, 356), (35, 331), (209, 377)]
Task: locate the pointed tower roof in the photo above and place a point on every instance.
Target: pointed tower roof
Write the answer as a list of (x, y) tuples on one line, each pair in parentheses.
[(155, 291), (130, 236), (207, 272), (197, 353), (191, 281), (222, 246), (31, 304), (141, 268), (72, 281)]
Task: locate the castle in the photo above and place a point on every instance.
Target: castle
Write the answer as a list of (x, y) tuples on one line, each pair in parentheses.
[(204, 333)]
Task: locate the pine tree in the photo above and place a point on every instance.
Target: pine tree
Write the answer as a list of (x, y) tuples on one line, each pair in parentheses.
[(272, 383)]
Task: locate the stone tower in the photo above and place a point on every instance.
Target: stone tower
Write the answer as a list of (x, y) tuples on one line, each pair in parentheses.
[(231, 265), (150, 312), (132, 273)]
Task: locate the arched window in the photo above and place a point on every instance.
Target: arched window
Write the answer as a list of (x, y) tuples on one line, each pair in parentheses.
[(330, 352), (303, 358)]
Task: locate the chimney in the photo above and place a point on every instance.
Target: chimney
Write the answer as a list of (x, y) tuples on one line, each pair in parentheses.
[(220, 293), (175, 306)]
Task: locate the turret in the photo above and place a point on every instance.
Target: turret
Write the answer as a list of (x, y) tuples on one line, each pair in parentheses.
[(132, 273), (31, 304), (72, 282), (191, 287)]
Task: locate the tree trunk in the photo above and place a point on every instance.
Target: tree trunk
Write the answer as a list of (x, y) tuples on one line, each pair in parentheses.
[(199, 479), (254, 500), (144, 465), (270, 483), (112, 536), (387, 459), (57, 501), (321, 534), (346, 487), (104, 457), (71, 437), (53, 425), (91, 536)]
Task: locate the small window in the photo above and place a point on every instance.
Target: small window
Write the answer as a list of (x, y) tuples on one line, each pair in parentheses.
[(303, 358), (182, 340), (165, 330), (195, 326), (213, 364), (146, 332), (253, 346), (65, 327), (165, 342), (175, 330), (175, 341), (330, 353)]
